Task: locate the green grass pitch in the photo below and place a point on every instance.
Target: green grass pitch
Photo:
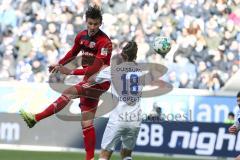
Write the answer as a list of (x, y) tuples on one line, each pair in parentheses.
[(33, 155)]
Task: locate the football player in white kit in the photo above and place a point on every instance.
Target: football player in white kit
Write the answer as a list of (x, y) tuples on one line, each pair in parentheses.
[(236, 126), (234, 129), (124, 120)]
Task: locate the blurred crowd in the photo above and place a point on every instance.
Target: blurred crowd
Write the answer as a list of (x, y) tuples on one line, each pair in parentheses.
[(205, 35)]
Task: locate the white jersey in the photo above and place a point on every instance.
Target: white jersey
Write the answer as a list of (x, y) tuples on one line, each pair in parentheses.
[(126, 85), (237, 120)]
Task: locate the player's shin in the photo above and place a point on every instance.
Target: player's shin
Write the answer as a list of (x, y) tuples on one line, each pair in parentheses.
[(55, 107), (89, 138)]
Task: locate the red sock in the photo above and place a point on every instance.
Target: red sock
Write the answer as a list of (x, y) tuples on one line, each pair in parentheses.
[(55, 107), (89, 138)]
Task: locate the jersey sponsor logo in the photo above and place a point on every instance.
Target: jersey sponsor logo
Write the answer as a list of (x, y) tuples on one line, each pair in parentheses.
[(104, 51), (92, 44), (87, 54), (129, 98)]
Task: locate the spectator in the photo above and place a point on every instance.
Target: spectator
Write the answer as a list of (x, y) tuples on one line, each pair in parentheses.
[(230, 119), (156, 113), (24, 47), (7, 15)]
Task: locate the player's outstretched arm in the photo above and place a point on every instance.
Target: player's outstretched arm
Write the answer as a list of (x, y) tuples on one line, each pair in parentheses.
[(89, 71), (69, 56)]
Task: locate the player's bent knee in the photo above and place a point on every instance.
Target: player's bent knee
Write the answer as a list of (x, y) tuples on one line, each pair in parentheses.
[(71, 93), (69, 96)]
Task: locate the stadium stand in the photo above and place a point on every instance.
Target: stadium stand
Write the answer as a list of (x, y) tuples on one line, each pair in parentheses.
[(206, 34)]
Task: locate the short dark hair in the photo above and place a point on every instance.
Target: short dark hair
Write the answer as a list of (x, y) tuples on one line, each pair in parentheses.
[(231, 114), (129, 51), (94, 12)]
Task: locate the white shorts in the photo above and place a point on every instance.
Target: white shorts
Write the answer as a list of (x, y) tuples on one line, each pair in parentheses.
[(116, 132)]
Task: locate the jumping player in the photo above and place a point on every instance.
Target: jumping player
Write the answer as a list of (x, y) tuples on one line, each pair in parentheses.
[(96, 50)]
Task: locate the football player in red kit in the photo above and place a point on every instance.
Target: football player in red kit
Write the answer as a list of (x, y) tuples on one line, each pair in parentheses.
[(96, 50)]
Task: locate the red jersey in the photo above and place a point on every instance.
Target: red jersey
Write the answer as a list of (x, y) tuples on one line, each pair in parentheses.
[(94, 48)]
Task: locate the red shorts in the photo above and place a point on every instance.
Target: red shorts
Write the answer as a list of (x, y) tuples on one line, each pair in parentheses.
[(89, 96)]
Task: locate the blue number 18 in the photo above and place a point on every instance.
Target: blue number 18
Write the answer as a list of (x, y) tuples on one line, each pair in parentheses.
[(133, 84)]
